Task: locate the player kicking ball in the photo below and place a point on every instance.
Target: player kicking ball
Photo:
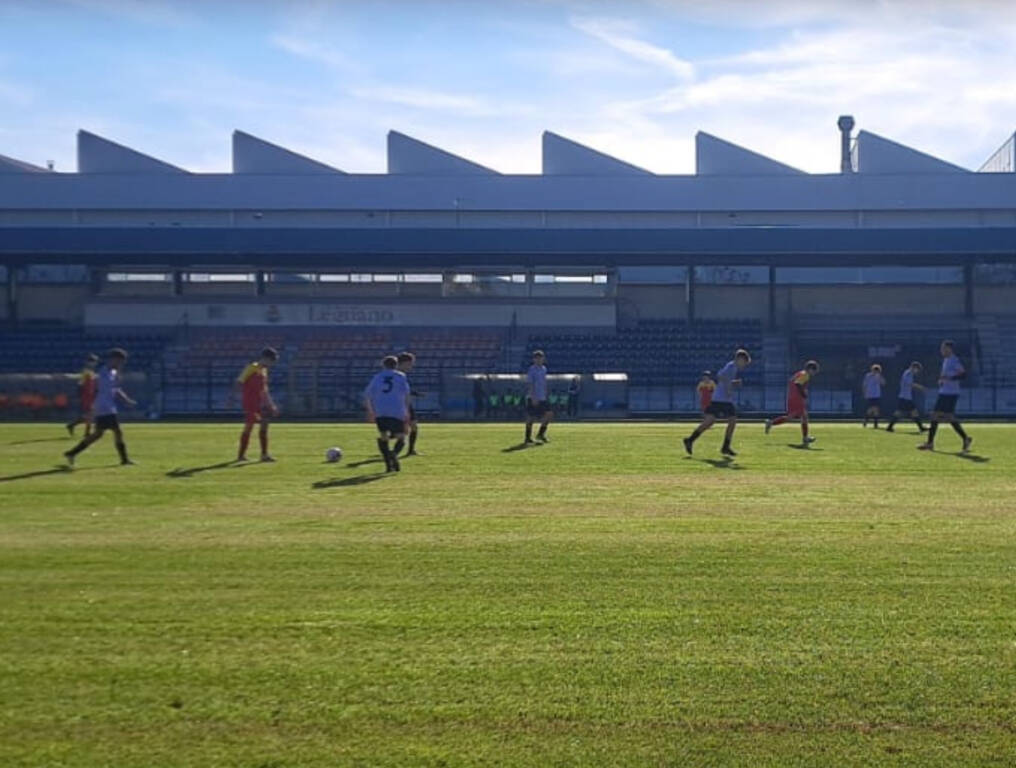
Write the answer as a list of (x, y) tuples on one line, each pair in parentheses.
[(258, 406), (107, 391), (721, 408), (905, 406), (797, 401), (948, 394), (407, 361), (387, 402)]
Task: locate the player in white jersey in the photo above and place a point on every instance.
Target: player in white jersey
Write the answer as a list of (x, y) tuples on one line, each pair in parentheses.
[(872, 388), (948, 394), (387, 401), (407, 360), (905, 405), (107, 391), (537, 398), (722, 406)]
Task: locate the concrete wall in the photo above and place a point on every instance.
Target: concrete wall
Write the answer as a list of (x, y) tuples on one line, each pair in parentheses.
[(64, 303)]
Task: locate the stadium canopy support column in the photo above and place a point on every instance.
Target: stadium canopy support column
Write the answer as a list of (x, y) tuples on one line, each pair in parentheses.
[(689, 293), (12, 295), (96, 277), (772, 298), (259, 282), (177, 282), (968, 290)]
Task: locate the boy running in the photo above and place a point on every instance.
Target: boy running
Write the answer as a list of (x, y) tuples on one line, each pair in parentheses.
[(107, 391), (872, 388), (905, 405), (406, 362), (387, 402), (721, 408), (86, 395), (948, 393), (537, 399), (705, 389), (258, 406), (797, 401)]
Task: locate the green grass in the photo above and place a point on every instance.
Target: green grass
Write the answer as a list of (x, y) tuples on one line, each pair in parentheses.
[(601, 600)]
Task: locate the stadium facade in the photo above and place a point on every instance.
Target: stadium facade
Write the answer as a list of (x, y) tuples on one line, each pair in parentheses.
[(592, 243)]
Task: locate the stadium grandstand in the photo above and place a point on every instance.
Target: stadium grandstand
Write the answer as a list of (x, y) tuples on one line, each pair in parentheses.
[(632, 281)]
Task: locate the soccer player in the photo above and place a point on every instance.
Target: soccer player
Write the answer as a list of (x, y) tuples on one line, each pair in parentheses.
[(258, 406), (949, 379), (797, 401), (406, 362), (86, 395), (537, 399), (107, 391), (721, 408), (387, 399), (905, 401), (705, 389), (872, 388)]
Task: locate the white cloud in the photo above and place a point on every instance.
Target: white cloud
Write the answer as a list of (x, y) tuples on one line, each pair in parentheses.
[(620, 36)]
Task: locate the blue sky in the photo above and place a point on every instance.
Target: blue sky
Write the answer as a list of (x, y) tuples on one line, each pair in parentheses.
[(635, 79)]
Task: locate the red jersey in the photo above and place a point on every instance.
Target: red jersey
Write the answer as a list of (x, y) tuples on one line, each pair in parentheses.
[(795, 402), (254, 381), (86, 388), (705, 392)]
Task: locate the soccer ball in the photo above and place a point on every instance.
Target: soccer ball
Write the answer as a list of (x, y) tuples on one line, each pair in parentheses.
[(333, 455)]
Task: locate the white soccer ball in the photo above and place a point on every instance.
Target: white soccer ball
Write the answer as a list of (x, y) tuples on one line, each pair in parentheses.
[(333, 455)]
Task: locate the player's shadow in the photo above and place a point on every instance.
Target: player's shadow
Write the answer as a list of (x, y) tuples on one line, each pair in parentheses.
[(62, 439), (520, 447), (725, 463), (375, 460), (799, 447), (972, 457), (191, 471), (38, 473), (340, 482)]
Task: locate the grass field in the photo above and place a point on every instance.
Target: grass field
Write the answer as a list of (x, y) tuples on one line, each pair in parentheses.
[(601, 600)]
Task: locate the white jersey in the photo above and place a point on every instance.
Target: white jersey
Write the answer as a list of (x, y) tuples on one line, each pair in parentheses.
[(107, 386), (873, 386), (387, 394), (907, 385), (537, 383), (951, 366), (724, 392)]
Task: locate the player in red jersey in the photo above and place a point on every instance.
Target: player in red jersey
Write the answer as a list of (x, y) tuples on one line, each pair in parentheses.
[(258, 406), (797, 401), (705, 389), (86, 395)]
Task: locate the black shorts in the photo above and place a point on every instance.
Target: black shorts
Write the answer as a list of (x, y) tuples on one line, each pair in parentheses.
[(721, 410), (946, 404), (537, 409), (108, 421), (386, 425), (874, 402)]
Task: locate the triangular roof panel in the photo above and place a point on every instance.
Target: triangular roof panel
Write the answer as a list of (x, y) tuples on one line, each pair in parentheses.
[(11, 165), (99, 155), (717, 157), (409, 155), (875, 154), (254, 155), (563, 157)]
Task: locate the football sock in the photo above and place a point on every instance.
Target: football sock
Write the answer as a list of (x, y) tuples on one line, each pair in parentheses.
[(412, 439), (959, 429), (920, 426), (931, 432), (121, 448), (399, 445), (804, 429), (876, 422), (543, 430), (892, 423), (529, 430), (263, 439), (382, 445), (79, 447), (244, 442), (779, 420)]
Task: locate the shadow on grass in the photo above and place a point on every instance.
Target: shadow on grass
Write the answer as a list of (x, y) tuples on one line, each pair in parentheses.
[(803, 447), (520, 447), (62, 439), (190, 471), (727, 462), (354, 480), (60, 470), (972, 457), (375, 460)]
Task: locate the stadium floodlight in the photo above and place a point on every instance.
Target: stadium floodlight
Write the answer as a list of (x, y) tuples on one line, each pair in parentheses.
[(610, 377)]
